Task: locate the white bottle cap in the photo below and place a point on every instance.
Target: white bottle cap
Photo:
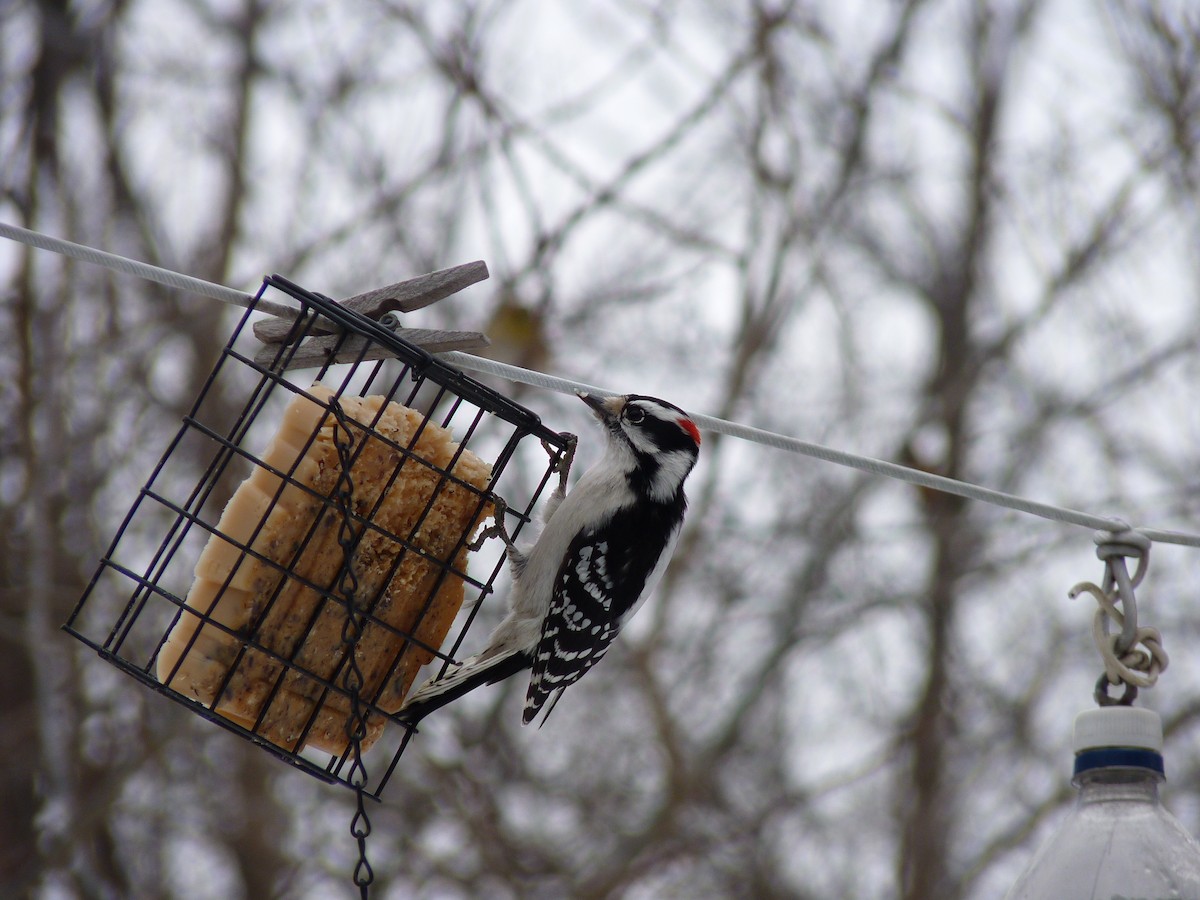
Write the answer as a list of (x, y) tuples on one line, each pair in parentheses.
[(1118, 726)]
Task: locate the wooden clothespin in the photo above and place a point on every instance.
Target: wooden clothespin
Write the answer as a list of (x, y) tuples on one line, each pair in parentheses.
[(404, 297)]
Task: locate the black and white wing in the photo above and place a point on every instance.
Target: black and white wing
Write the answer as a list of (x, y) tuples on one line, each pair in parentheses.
[(605, 577)]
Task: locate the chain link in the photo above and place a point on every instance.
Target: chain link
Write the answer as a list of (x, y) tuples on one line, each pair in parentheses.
[(352, 628)]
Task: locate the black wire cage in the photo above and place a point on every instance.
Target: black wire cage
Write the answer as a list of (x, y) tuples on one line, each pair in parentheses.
[(291, 592)]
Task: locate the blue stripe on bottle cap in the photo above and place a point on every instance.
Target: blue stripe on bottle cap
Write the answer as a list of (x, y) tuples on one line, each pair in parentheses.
[(1127, 757)]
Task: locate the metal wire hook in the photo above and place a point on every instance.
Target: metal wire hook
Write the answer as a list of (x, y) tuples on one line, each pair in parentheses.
[(1113, 548), (1135, 657)]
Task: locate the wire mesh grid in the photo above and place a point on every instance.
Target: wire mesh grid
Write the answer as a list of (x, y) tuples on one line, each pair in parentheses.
[(282, 504)]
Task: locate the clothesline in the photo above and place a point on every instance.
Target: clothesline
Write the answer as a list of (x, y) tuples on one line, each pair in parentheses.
[(544, 381)]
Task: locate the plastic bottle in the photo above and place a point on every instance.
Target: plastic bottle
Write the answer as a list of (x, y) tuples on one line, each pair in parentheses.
[(1119, 841)]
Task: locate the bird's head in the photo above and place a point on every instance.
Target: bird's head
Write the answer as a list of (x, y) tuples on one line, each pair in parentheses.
[(658, 440)]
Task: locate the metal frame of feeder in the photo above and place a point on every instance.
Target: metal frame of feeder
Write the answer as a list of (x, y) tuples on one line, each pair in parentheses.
[(151, 550)]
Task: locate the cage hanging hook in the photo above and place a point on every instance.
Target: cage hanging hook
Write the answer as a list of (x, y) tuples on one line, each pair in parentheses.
[(1125, 662)]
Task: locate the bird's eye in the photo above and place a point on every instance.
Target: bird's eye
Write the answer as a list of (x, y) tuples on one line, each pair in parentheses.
[(635, 415)]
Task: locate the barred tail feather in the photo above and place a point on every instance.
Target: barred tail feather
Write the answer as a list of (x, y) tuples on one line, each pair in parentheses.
[(555, 669), (473, 673), (544, 687), (534, 705)]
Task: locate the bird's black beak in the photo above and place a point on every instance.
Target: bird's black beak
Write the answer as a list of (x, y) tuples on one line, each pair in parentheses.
[(605, 409)]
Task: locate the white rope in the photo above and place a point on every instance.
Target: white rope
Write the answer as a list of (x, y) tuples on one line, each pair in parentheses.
[(1144, 659), (566, 386), (142, 270), (838, 457)]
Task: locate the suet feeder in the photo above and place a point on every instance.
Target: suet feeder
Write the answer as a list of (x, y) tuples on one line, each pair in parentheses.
[(308, 539)]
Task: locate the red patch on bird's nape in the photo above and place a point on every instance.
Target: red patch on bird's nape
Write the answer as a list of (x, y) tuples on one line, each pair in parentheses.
[(690, 427)]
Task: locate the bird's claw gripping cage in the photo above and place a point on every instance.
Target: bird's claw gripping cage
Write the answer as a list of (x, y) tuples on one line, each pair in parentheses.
[(290, 591)]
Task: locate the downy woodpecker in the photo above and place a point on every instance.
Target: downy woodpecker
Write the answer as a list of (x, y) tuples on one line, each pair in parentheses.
[(602, 550)]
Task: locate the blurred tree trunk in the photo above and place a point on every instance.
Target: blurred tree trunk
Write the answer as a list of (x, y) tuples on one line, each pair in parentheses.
[(80, 347), (38, 582), (929, 810)]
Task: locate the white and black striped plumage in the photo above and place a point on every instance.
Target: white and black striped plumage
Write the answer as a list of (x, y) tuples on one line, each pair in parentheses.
[(601, 553)]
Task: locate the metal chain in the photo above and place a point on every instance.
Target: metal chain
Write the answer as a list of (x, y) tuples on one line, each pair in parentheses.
[(352, 628), (1133, 656)]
